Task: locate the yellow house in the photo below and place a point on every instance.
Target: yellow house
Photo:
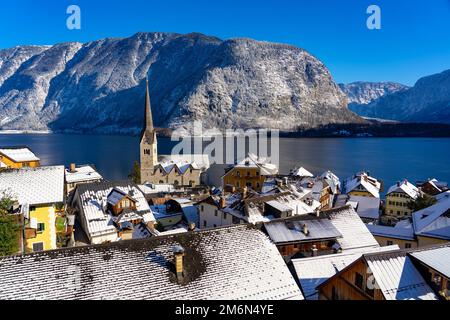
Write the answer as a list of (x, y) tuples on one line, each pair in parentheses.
[(363, 185), (397, 199), (426, 227), (250, 172), (18, 157), (40, 192)]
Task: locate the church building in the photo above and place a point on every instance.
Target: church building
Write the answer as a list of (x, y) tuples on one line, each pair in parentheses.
[(179, 170)]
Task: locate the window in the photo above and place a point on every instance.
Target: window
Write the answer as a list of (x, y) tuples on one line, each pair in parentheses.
[(407, 245), (147, 151), (38, 246), (215, 213), (224, 216), (389, 243), (215, 226), (40, 227), (202, 208), (204, 223), (248, 173), (359, 280)]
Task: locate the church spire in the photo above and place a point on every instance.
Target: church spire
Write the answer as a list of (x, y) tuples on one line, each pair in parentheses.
[(148, 122)]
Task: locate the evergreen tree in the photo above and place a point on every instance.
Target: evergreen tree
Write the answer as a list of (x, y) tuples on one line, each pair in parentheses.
[(9, 229), (422, 202), (135, 174)]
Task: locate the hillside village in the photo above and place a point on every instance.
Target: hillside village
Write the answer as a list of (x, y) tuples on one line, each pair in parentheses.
[(260, 235)]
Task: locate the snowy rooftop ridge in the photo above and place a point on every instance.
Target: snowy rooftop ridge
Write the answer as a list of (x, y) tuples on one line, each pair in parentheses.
[(82, 173), (237, 262), (19, 154), (405, 187), (34, 186)]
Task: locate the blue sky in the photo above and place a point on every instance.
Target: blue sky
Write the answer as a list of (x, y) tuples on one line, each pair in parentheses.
[(414, 40)]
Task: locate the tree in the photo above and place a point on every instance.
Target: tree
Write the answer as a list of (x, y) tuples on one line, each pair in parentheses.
[(422, 202), (135, 174), (9, 228)]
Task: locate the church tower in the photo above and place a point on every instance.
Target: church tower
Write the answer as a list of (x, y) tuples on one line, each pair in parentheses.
[(149, 148)]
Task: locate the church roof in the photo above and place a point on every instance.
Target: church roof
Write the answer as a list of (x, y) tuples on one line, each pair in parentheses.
[(148, 131)]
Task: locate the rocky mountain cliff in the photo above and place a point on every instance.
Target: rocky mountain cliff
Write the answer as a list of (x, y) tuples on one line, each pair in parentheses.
[(360, 93), (427, 101), (99, 86)]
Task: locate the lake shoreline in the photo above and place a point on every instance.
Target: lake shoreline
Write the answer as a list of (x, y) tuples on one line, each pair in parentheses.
[(374, 129)]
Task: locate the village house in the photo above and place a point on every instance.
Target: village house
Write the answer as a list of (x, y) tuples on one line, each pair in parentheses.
[(432, 187), (434, 264), (313, 271), (175, 211), (112, 211), (251, 172), (248, 206), (397, 199), (18, 157), (378, 276), (237, 262), (368, 208), (40, 193), (179, 170), (323, 233), (76, 175), (429, 226), (363, 185)]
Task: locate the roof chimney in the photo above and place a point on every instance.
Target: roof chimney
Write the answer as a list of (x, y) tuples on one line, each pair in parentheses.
[(314, 250), (179, 254), (73, 167), (192, 226), (305, 229), (244, 192), (222, 202)]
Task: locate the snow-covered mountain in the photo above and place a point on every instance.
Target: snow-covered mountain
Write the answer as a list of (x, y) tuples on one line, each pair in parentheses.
[(99, 86), (360, 93), (427, 101)]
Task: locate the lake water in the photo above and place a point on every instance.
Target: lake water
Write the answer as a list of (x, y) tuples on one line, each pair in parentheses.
[(389, 159)]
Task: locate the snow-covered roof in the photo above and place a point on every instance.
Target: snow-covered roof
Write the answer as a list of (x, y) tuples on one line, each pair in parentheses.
[(332, 180), (19, 154), (182, 163), (150, 188), (405, 187), (391, 232), (252, 161), (93, 200), (313, 271), (301, 172), (354, 232), (237, 262), (254, 207), (291, 230), (83, 173), (366, 207), (34, 186), (397, 277), (116, 195), (363, 181), (437, 258), (434, 221)]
